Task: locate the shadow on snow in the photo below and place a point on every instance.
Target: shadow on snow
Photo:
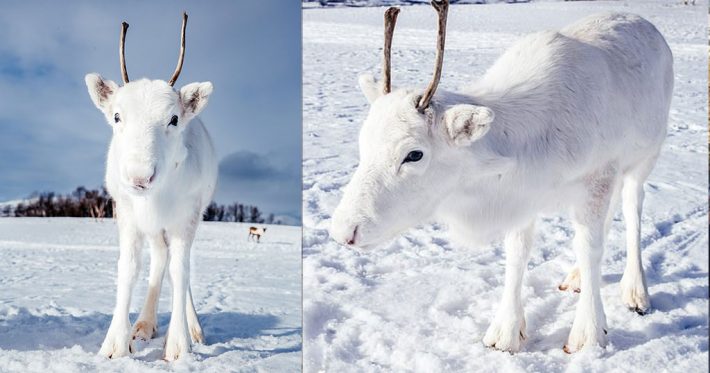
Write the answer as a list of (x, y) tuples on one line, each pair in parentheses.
[(25, 331)]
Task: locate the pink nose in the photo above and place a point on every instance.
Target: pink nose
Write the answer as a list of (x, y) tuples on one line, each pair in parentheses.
[(142, 182), (350, 239), (345, 228)]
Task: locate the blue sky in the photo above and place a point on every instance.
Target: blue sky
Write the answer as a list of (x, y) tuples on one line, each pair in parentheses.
[(52, 138)]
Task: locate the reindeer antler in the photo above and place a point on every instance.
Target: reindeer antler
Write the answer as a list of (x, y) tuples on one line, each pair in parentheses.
[(178, 69), (121, 55), (390, 21), (442, 8)]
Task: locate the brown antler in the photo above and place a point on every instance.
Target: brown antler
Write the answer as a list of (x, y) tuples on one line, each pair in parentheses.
[(390, 20), (442, 8), (178, 69), (121, 55)]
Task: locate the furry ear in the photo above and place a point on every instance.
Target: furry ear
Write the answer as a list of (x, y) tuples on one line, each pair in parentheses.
[(194, 97), (467, 123), (101, 91), (369, 87)]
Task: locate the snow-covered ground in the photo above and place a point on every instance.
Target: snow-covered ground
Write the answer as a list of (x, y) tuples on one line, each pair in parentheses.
[(57, 291), (365, 3), (421, 303)]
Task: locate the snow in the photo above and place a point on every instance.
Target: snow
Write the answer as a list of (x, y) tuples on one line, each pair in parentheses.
[(58, 289), (365, 3), (422, 303), (7, 208)]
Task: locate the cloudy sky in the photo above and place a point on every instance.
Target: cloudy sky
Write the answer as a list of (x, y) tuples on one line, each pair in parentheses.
[(52, 138)]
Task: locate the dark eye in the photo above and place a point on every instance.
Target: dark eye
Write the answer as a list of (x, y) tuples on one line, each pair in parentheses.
[(413, 156), (173, 120), (116, 118)]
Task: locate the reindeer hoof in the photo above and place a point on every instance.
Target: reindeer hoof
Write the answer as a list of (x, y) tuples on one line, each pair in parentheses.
[(144, 330), (565, 287), (506, 334), (571, 282)]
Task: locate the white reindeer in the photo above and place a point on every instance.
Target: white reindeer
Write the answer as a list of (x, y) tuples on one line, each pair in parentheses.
[(161, 171), (567, 119)]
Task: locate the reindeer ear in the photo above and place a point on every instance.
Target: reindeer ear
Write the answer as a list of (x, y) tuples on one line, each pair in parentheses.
[(100, 90), (467, 123), (194, 97), (369, 87)]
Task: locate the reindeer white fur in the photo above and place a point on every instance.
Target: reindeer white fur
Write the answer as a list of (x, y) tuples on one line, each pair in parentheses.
[(161, 171), (563, 120)]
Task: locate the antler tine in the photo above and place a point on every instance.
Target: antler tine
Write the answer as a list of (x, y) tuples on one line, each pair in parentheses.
[(390, 21), (442, 8), (178, 69), (121, 54)]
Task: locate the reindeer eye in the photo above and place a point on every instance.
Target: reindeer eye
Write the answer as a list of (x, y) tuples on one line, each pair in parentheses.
[(116, 118), (413, 156), (173, 121)]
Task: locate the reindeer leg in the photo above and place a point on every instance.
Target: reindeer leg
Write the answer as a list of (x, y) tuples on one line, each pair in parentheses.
[(146, 327), (193, 323), (589, 219), (177, 340), (117, 342), (507, 330), (634, 291)]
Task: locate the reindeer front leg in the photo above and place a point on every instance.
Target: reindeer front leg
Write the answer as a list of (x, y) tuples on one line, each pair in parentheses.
[(146, 326), (507, 330), (589, 327), (118, 342), (177, 340), (589, 221)]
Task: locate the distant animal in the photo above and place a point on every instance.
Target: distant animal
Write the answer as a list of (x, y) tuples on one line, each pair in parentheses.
[(256, 232), (161, 172), (562, 120)]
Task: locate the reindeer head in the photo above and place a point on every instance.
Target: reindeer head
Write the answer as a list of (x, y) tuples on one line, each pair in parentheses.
[(410, 151), (149, 118)]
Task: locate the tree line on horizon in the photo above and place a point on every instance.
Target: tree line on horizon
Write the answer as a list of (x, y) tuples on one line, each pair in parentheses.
[(97, 204)]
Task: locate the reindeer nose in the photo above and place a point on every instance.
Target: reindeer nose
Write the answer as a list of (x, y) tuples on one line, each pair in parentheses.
[(351, 239), (345, 227), (346, 236), (142, 182)]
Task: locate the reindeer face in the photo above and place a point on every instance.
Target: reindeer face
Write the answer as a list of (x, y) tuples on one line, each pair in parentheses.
[(148, 120), (409, 162), (392, 187)]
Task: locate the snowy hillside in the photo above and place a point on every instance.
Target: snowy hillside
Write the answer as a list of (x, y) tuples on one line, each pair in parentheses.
[(7, 208), (368, 3), (57, 291), (422, 303)]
